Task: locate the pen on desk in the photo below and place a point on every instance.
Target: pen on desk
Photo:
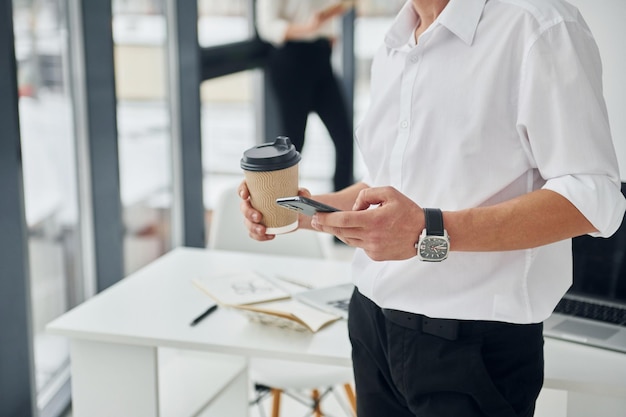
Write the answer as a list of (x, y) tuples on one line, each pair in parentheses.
[(204, 315)]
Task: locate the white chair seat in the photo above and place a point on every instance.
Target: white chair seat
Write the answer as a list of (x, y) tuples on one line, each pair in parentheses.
[(286, 375)]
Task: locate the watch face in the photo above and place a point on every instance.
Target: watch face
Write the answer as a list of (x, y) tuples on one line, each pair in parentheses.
[(433, 248)]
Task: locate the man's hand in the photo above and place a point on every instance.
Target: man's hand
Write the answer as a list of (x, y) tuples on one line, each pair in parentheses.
[(386, 232), (252, 217)]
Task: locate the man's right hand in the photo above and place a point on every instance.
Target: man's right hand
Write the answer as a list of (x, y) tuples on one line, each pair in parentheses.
[(253, 217)]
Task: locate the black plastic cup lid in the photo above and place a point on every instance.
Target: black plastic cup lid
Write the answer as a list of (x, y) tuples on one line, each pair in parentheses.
[(279, 154)]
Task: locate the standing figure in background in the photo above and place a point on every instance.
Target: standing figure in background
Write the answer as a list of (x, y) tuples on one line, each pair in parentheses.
[(300, 71)]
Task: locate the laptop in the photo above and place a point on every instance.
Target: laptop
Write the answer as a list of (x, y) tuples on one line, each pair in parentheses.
[(593, 311), (334, 299)]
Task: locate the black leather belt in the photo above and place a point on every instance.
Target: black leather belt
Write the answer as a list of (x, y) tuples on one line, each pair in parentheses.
[(448, 329)]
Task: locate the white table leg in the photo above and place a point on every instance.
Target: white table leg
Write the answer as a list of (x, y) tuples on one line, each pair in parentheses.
[(551, 403), (113, 380), (202, 384), (232, 401)]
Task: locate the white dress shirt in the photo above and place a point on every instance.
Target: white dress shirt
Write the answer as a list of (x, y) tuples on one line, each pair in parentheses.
[(274, 16), (497, 99)]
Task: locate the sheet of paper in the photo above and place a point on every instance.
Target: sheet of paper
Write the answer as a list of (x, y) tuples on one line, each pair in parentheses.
[(241, 288)]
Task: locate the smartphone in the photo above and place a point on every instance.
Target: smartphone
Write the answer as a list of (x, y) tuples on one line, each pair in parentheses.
[(304, 205)]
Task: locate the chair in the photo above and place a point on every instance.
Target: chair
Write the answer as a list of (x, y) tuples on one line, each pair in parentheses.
[(273, 377)]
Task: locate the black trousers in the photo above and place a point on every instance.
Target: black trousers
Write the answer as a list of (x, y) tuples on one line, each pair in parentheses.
[(303, 80), (408, 365)]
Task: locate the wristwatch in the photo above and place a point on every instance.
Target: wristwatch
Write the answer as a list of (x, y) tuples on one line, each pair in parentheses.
[(433, 244)]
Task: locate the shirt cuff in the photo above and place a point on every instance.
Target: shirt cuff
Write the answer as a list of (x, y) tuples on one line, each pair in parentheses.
[(597, 197)]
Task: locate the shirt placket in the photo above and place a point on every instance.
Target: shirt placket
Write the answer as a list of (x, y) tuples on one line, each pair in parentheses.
[(411, 67)]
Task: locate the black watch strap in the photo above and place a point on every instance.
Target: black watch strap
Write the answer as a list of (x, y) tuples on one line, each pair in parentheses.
[(434, 222)]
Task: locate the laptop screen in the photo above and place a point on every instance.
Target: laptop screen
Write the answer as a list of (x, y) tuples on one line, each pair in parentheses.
[(600, 265)]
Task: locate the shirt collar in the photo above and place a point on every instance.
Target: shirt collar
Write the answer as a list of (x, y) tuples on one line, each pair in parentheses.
[(460, 17)]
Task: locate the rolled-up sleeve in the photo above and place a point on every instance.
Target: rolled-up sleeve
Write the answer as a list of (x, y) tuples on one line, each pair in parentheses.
[(270, 25), (597, 197), (563, 116)]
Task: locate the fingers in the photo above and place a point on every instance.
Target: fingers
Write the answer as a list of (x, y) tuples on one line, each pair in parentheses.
[(304, 192), (372, 196), (360, 216), (257, 231), (251, 217), (386, 232), (347, 225), (252, 221)]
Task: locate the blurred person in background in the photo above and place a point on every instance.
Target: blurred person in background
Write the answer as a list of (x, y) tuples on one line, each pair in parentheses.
[(300, 71)]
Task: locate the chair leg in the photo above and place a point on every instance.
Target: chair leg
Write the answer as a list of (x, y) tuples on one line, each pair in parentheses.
[(351, 396), (276, 393), (316, 403)]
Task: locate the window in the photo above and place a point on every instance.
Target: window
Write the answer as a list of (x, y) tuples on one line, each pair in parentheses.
[(144, 138), (223, 21), (50, 183), (230, 102)]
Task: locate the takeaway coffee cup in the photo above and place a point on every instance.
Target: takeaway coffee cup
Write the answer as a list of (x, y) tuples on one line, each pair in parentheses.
[(271, 172)]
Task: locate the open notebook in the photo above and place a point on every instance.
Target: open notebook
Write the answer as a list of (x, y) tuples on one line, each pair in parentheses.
[(263, 301), (594, 309)]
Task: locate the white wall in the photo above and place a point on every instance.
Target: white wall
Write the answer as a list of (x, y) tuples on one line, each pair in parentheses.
[(606, 20)]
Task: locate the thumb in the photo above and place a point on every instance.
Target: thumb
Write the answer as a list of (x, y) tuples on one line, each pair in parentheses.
[(304, 192)]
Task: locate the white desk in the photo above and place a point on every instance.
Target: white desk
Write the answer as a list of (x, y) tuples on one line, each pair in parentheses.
[(120, 339), (134, 354)]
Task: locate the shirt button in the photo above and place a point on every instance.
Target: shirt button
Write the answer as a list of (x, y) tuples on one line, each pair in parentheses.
[(414, 59), (404, 124)]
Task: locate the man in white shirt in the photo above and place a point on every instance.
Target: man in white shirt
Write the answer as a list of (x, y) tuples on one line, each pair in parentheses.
[(487, 147)]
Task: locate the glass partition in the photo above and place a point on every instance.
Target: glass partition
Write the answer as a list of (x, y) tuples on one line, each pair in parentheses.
[(50, 183), (372, 22), (144, 134), (223, 21), (229, 103)]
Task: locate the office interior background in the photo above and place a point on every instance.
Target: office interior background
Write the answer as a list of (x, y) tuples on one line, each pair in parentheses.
[(122, 120)]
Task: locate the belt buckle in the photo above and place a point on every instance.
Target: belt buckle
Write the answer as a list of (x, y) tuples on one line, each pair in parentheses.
[(444, 328)]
